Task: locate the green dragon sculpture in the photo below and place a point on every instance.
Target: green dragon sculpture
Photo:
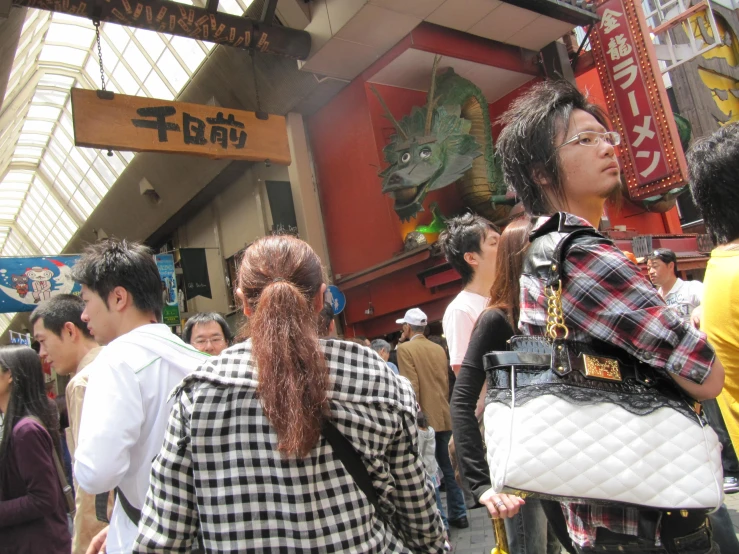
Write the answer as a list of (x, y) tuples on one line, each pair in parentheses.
[(449, 140)]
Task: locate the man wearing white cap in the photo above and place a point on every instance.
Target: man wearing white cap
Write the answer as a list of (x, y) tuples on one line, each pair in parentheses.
[(425, 365)]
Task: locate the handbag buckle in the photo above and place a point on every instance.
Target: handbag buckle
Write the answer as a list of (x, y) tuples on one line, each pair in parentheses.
[(597, 367)]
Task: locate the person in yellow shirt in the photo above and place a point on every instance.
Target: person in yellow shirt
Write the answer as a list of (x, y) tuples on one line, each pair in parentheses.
[(714, 176)]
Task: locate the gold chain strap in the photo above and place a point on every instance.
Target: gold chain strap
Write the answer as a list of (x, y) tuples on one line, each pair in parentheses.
[(555, 316)]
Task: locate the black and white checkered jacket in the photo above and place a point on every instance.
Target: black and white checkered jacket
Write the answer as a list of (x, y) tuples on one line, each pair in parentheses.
[(219, 473)]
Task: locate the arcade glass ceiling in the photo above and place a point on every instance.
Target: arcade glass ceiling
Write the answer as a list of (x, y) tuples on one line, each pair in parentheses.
[(48, 186)]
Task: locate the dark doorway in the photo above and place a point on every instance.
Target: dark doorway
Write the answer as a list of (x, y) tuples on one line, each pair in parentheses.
[(281, 205)]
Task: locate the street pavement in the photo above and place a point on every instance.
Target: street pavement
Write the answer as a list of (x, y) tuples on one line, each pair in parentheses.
[(479, 538)]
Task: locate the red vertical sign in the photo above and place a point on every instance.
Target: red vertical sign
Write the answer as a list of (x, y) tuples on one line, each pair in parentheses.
[(637, 100)]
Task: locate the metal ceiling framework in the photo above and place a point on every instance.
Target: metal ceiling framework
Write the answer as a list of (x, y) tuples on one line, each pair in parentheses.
[(48, 186)]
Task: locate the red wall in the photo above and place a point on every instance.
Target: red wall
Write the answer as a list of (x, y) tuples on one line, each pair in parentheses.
[(361, 229)]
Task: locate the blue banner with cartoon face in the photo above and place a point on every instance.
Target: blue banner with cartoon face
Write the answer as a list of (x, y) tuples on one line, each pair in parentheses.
[(24, 282)]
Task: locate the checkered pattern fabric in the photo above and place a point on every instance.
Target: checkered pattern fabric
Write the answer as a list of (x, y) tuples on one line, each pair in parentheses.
[(219, 473), (605, 296)]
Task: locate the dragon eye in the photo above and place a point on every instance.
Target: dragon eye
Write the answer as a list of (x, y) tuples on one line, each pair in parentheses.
[(425, 153), (405, 158)]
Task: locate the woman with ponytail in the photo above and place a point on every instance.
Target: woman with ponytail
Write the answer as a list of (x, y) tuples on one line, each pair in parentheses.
[(33, 509), (246, 464)]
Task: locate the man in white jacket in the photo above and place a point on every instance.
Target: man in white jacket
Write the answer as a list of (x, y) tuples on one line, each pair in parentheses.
[(127, 402)]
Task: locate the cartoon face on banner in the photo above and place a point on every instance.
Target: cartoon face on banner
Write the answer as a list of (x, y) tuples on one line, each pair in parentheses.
[(25, 282)]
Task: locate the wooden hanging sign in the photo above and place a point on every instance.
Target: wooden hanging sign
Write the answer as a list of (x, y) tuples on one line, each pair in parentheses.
[(144, 124)]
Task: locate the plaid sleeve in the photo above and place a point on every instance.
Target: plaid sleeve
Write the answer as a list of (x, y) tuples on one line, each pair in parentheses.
[(416, 518), (169, 519), (607, 297)]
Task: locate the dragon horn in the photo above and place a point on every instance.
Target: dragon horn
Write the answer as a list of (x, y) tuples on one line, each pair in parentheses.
[(431, 98), (389, 114)]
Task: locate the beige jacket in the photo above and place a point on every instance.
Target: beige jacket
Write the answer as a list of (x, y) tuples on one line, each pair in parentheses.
[(425, 365), (86, 525)]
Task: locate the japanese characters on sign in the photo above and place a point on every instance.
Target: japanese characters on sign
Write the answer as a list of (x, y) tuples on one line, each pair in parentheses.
[(194, 128), (636, 102), (150, 125), (631, 95)]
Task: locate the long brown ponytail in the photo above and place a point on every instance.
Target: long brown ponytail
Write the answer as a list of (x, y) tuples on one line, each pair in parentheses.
[(279, 277)]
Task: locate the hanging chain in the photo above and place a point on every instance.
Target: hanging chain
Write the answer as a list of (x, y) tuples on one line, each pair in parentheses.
[(96, 23)]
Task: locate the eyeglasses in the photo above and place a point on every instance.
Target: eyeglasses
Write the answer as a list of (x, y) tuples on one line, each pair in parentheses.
[(214, 341), (593, 138)]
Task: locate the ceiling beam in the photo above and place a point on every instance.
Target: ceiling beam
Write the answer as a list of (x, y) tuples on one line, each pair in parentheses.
[(193, 22), (25, 239)]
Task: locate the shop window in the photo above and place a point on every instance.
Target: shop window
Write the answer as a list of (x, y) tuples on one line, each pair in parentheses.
[(281, 205)]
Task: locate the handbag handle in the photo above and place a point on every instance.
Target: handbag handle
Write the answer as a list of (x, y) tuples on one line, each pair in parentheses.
[(556, 327)]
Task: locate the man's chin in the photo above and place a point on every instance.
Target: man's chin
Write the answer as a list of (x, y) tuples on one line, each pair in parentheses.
[(614, 192)]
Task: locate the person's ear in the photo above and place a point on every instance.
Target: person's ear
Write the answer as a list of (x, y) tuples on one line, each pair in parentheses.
[(471, 258), (70, 330), (319, 299), (118, 299), (247, 309), (539, 176)]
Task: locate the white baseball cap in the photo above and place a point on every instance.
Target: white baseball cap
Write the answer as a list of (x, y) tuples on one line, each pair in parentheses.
[(414, 316)]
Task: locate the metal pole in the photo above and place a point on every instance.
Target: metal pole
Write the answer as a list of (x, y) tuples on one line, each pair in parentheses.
[(501, 537), (164, 16)]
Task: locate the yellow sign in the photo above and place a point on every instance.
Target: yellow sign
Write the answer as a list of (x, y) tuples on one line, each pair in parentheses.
[(140, 124)]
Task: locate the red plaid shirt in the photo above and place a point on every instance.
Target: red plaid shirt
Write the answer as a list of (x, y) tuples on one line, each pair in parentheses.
[(605, 296)]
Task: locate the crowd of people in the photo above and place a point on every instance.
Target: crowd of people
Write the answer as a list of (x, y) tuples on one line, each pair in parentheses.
[(296, 440)]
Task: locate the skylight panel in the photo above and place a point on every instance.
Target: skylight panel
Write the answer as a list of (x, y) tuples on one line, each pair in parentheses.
[(62, 55), (189, 51), (125, 80), (157, 88), (150, 41), (172, 70), (137, 61)]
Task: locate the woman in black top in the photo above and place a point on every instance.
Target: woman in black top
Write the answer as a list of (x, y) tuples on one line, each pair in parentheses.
[(527, 532)]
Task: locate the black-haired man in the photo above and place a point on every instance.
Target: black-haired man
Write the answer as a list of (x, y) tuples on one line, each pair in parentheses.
[(126, 407), (208, 332), (559, 156), (684, 296), (67, 345), (470, 244)]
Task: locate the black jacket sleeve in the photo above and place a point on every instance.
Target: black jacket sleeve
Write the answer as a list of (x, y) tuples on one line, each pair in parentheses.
[(491, 333)]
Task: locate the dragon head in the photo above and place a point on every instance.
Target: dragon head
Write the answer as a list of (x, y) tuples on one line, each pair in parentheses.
[(432, 148), (421, 162)]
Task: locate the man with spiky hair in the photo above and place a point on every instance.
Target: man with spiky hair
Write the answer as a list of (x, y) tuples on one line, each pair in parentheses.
[(559, 156), (127, 401), (470, 244)]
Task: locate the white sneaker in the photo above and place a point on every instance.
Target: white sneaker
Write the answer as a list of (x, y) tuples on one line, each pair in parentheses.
[(731, 485)]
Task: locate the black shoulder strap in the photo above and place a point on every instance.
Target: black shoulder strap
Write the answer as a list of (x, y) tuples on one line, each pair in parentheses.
[(101, 507), (352, 462), (134, 514), (556, 268)]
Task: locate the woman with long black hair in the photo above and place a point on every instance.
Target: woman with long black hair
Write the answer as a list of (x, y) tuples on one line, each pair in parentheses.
[(33, 511)]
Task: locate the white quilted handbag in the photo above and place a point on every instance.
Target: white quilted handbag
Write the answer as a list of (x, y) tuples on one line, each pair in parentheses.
[(586, 423)]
